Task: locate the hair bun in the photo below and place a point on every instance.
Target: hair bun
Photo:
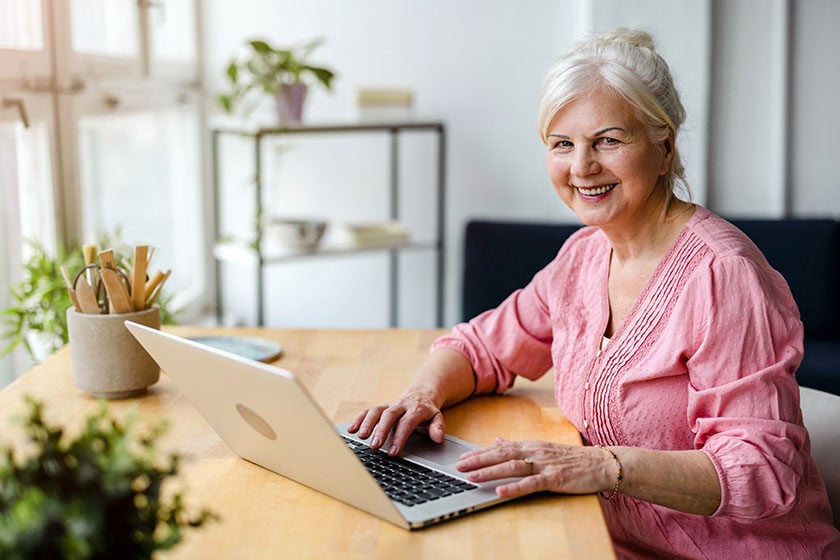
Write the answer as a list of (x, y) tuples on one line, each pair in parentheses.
[(633, 37)]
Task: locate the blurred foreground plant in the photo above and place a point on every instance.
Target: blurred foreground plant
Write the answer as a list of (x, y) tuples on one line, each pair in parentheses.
[(95, 496)]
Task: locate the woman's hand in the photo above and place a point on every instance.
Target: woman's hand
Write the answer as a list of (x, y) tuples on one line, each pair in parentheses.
[(444, 378), (543, 466), (413, 411)]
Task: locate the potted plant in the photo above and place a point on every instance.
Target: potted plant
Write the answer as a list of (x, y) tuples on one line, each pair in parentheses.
[(37, 317), (97, 495), (281, 73)]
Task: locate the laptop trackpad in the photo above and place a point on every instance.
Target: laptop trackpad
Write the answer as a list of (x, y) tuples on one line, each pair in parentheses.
[(444, 453)]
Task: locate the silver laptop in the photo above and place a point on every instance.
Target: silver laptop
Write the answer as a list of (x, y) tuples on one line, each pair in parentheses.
[(265, 415)]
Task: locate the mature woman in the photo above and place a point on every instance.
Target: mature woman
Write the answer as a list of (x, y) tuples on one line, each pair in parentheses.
[(672, 342)]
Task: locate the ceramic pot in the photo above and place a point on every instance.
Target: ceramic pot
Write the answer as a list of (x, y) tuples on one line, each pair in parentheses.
[(107, 360), (290, 100)]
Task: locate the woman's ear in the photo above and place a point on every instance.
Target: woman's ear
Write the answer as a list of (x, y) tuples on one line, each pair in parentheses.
[(668, 145)]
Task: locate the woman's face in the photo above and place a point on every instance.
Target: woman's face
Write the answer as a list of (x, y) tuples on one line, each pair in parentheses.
[(603, 163)]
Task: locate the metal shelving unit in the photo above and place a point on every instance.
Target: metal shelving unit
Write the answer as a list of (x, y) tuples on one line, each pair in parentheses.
[(254, 254)]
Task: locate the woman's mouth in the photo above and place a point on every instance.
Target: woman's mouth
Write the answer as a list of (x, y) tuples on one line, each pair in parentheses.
[(595, 191)]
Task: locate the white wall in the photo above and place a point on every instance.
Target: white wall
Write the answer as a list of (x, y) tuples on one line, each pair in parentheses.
[(752, 145), (814, 109), (748, 100), (475, 64)]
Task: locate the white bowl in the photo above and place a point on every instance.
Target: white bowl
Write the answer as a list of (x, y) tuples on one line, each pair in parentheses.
[(298, 233)]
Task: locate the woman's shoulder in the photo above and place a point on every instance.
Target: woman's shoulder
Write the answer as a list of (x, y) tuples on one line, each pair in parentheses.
[(722, 238), (733, 255)]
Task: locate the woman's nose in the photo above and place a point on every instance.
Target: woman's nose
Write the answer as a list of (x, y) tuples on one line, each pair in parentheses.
[(585, 163)]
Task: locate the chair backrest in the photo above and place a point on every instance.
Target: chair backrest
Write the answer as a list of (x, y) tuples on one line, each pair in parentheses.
[(807, 253), (500, 257), (821, 413)]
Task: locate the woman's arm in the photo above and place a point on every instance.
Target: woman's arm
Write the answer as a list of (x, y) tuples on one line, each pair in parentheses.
[(681, 480), (445, 378)]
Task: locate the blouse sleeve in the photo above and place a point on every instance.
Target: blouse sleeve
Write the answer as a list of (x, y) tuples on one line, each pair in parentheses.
[(512, 339), (743, 402)]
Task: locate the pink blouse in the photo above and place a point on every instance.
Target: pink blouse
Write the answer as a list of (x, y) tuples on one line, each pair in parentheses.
[(704, 360)]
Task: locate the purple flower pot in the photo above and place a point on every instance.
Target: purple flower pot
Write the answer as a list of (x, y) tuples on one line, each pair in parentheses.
[(290, 101)]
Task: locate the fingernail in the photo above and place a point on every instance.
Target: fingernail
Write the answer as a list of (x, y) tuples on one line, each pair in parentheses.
[(375, 442), (392, 450)]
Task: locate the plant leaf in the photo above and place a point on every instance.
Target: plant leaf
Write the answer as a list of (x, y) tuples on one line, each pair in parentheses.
[(260, 46), (232, 72)]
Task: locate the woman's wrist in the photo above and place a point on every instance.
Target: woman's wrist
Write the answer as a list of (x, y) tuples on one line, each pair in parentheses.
[(615, 472)]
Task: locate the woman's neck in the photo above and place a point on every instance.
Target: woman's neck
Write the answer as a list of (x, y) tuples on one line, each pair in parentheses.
[(654, 235)]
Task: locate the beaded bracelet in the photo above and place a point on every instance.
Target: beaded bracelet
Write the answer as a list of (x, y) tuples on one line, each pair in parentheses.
[(618, 479)]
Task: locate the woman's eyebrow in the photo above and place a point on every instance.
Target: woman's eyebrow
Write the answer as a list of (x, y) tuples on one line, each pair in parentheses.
[(597, 133), (608, 129)]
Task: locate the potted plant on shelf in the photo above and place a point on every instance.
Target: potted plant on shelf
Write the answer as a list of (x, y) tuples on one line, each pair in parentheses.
[(282, 73), (96, 495)]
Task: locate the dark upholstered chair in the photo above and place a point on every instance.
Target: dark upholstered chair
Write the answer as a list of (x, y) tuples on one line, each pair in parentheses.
[(503, 256)]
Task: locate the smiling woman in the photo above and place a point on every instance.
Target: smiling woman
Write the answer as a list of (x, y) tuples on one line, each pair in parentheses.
[(671, 340)]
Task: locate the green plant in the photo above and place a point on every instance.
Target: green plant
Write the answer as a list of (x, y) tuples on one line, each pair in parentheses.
[(267, 70), (95, 496), (40, 300)]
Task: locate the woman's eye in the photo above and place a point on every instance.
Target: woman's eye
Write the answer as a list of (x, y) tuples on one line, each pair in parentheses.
[(562, 144), (607, 141)]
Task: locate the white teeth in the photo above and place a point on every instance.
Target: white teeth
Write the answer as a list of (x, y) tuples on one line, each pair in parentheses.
[(596, 190)]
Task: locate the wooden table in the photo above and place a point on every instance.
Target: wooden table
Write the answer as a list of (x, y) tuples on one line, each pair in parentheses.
[(267, 516)]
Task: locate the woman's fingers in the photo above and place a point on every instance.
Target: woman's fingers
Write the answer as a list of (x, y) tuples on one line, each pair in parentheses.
[(400, 419), (417, 419), (388, 419), (539, 465)]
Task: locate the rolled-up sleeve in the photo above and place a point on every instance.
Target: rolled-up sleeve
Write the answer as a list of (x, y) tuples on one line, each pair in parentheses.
[(743, 402), (510, 340)]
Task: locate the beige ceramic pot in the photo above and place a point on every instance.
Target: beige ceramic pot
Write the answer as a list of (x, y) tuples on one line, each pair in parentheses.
[(107, 360)]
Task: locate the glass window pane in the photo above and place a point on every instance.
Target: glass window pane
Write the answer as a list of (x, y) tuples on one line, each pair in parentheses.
[(105, 27), (140, 173), (20, 25), (26, 204), (27, 176), (172, 25)]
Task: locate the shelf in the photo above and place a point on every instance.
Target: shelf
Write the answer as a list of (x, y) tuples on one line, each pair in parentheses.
[(242, 254), (229, 126)]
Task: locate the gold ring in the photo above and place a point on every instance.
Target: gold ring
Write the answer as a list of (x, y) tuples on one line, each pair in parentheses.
[(530, 464)]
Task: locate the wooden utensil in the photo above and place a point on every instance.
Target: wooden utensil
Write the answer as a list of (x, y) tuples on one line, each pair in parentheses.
[(87, 296), (89, 253), (116, 290), (76, 305), (153, 282), (157, 288), (138, 278), (107, 260), (113, 281)]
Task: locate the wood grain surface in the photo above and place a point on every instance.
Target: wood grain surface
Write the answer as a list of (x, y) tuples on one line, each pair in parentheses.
[(267, 516)]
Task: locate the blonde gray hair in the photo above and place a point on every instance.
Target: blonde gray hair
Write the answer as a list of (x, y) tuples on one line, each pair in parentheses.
[(624, 61)]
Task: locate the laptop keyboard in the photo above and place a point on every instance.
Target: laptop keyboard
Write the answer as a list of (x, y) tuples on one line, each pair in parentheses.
[(405, 482)]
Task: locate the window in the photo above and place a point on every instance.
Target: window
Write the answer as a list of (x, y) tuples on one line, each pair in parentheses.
[(101, 129)]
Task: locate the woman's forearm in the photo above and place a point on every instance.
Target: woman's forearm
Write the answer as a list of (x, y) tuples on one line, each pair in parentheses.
[(446, 376), (682, 480)]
